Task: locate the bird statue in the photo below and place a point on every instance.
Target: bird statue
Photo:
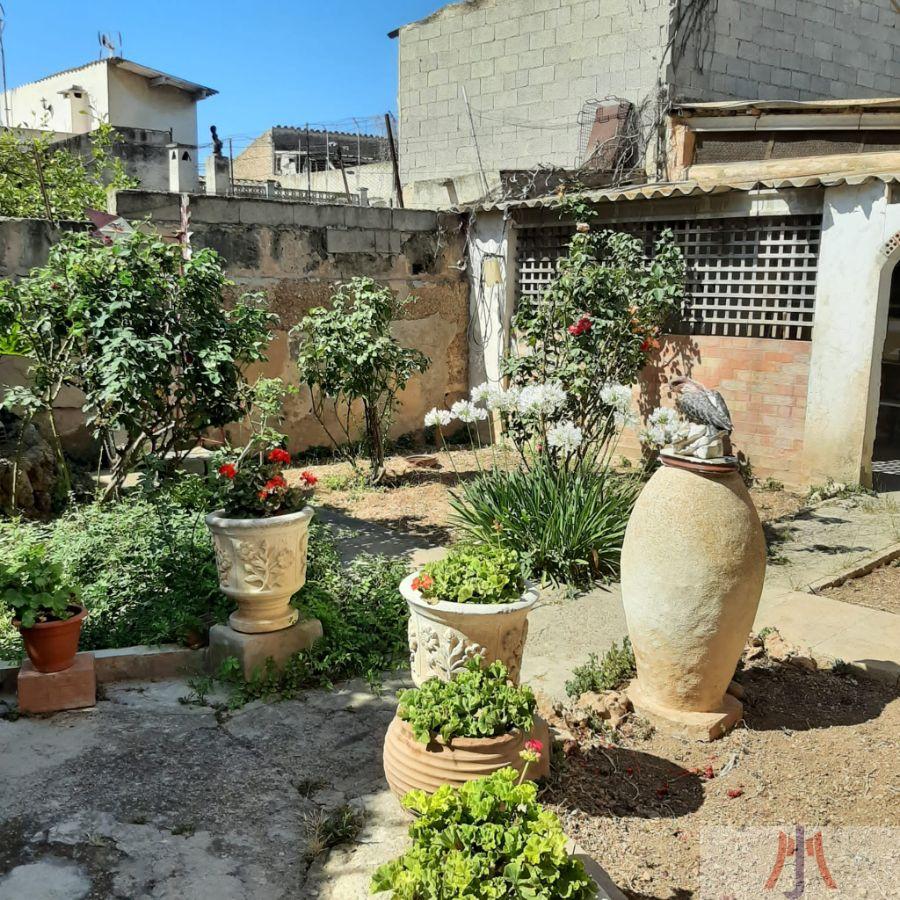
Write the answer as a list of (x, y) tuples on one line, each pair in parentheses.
[(707, 428)]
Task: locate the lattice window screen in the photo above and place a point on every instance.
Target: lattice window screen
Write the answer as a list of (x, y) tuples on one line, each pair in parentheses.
[(746, 277)]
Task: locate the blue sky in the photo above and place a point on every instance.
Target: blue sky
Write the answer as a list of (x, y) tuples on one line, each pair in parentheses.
[(320, 61)]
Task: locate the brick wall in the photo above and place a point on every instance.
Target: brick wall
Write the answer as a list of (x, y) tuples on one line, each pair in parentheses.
[(796, 50), (763, 381)]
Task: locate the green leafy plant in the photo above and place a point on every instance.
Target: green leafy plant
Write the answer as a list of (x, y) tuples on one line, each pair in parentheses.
[(33, 587), (473, 573), (254, 486), (565, 524), (478, 702), (486, 840), (616, 667), (350, 360), (40, 179)]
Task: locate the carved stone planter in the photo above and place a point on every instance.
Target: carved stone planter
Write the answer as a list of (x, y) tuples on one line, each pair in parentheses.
[(410, 765), (262, 564), (444, 636), (693, 564)]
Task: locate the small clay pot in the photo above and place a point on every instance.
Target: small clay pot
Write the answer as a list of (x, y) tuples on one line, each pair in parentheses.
[(51, 646), (409, 764)]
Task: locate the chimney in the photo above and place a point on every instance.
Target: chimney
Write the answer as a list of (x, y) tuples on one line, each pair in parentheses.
[(182, 168), (80, 115)]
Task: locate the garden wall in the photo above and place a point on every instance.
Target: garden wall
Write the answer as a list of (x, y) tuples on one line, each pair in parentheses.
[(296, 254), (764, 382)]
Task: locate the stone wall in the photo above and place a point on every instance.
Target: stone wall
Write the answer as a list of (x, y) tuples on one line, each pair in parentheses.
[(296, 254)]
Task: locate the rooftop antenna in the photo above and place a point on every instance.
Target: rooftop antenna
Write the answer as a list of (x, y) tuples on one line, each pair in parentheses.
[(7, 115), (110, 43)]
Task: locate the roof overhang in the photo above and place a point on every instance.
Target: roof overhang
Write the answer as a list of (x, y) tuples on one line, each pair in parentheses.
[(162, 79)]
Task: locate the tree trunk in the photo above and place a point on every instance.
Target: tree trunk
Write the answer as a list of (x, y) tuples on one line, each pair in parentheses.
[(376, 442)]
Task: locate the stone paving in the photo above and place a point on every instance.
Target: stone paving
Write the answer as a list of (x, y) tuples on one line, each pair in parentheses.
[(148, 797)]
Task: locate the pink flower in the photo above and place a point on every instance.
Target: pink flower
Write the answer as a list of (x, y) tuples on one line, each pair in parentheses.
[(534, 746)]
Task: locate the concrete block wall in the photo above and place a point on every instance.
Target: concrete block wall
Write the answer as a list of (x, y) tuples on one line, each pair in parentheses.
[(764, 383), (795, 50), (528, 66)]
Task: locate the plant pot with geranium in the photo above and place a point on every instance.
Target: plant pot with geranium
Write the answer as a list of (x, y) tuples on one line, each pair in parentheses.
[(503, 843), (449, 732), (261, 535), (44, 606), (474, 602)]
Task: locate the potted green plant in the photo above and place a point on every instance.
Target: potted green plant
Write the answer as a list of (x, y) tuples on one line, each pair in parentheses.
[(44, 606), (504, 844), (474, 602), (449, 732), (261, 535)]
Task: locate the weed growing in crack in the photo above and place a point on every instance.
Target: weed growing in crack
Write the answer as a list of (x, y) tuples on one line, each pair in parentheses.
[(328, 829)]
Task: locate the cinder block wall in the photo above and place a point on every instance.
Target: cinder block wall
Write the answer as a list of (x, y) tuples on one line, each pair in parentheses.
[(795, 50), (528, 66), (764, 383)]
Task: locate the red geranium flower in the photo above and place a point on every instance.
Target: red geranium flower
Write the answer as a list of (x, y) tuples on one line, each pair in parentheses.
[(534, 746), (228, 470), (276, 482), (422, 583), (279, 456), (308, 478), (263, 494)]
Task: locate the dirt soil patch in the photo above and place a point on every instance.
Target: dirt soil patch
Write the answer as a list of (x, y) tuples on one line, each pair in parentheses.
[(773, 505), (815, 748), (880, 589)]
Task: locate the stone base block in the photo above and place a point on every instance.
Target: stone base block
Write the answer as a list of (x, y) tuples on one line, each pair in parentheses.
[(252, 650), (697, 726), (45, 692)]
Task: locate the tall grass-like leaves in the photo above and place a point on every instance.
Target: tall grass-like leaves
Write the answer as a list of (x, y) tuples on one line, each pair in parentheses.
[(568, 524)]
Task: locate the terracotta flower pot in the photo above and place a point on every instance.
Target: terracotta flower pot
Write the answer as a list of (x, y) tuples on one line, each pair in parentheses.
[(444, 636), (51, 646), (410, 765), (262, 564), (693, 565)]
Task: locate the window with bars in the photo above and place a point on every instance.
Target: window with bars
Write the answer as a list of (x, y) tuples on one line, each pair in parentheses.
[(746, 277)]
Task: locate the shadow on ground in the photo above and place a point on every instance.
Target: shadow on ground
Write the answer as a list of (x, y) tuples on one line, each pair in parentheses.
[(393, 537)]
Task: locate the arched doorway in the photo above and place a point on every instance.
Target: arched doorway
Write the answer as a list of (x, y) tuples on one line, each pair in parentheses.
[(886, 449)]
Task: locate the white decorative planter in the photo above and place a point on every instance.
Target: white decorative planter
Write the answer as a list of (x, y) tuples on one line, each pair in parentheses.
[(444, 636), (693, 564), (262, 564)]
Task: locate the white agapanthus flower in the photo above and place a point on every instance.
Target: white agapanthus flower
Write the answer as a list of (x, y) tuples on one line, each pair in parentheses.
[(618, 396), (438, 418), (565, 436), (482, 393), (664, 426), (467, 412), (625, 419), (503, 400), (664, 416), (541, 399), (656, 435)]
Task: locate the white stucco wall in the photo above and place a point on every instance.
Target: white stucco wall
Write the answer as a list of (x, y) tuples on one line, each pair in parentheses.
[(27, 103), (135, 103), (848, 337)]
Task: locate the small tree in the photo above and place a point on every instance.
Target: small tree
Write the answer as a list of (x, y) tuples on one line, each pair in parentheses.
[(143, 332), (348, 357), (39, 179)]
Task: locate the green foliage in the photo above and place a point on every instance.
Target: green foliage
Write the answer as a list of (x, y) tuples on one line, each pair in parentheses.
[(606, 674), (33, 588), (616, 301), (349, 358), (144, 334), (487, 840), (71, 183), (475, 573), (478, 702), (565, 524)]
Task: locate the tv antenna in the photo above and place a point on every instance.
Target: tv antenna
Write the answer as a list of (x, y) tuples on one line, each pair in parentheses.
[(110, 43)]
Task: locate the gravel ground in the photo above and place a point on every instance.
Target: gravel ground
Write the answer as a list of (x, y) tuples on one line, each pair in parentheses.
[(880, 589)]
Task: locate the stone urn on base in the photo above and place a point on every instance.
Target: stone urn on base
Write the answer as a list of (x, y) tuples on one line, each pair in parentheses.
[(693, 565), (261, 564)]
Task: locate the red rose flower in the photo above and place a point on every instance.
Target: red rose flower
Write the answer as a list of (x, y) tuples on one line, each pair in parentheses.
[(279, 456), (534, 746), (574, 330), (308, 478), (228, 470)]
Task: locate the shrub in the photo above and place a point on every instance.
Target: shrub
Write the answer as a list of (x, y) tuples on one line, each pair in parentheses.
[(564, 523), (488, 839), (473, 573), (606, 674), (476, 703), (348, 356)]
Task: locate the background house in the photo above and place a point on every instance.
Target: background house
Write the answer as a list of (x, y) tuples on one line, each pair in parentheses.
[(150, 109), (538, 75)]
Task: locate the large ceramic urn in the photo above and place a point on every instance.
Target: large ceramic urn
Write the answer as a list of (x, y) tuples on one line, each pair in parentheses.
[(693, 564), (262, 564), (444, 636)]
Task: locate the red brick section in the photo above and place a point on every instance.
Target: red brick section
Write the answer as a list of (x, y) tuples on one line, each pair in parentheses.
[(45, 692), (764, 383)]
